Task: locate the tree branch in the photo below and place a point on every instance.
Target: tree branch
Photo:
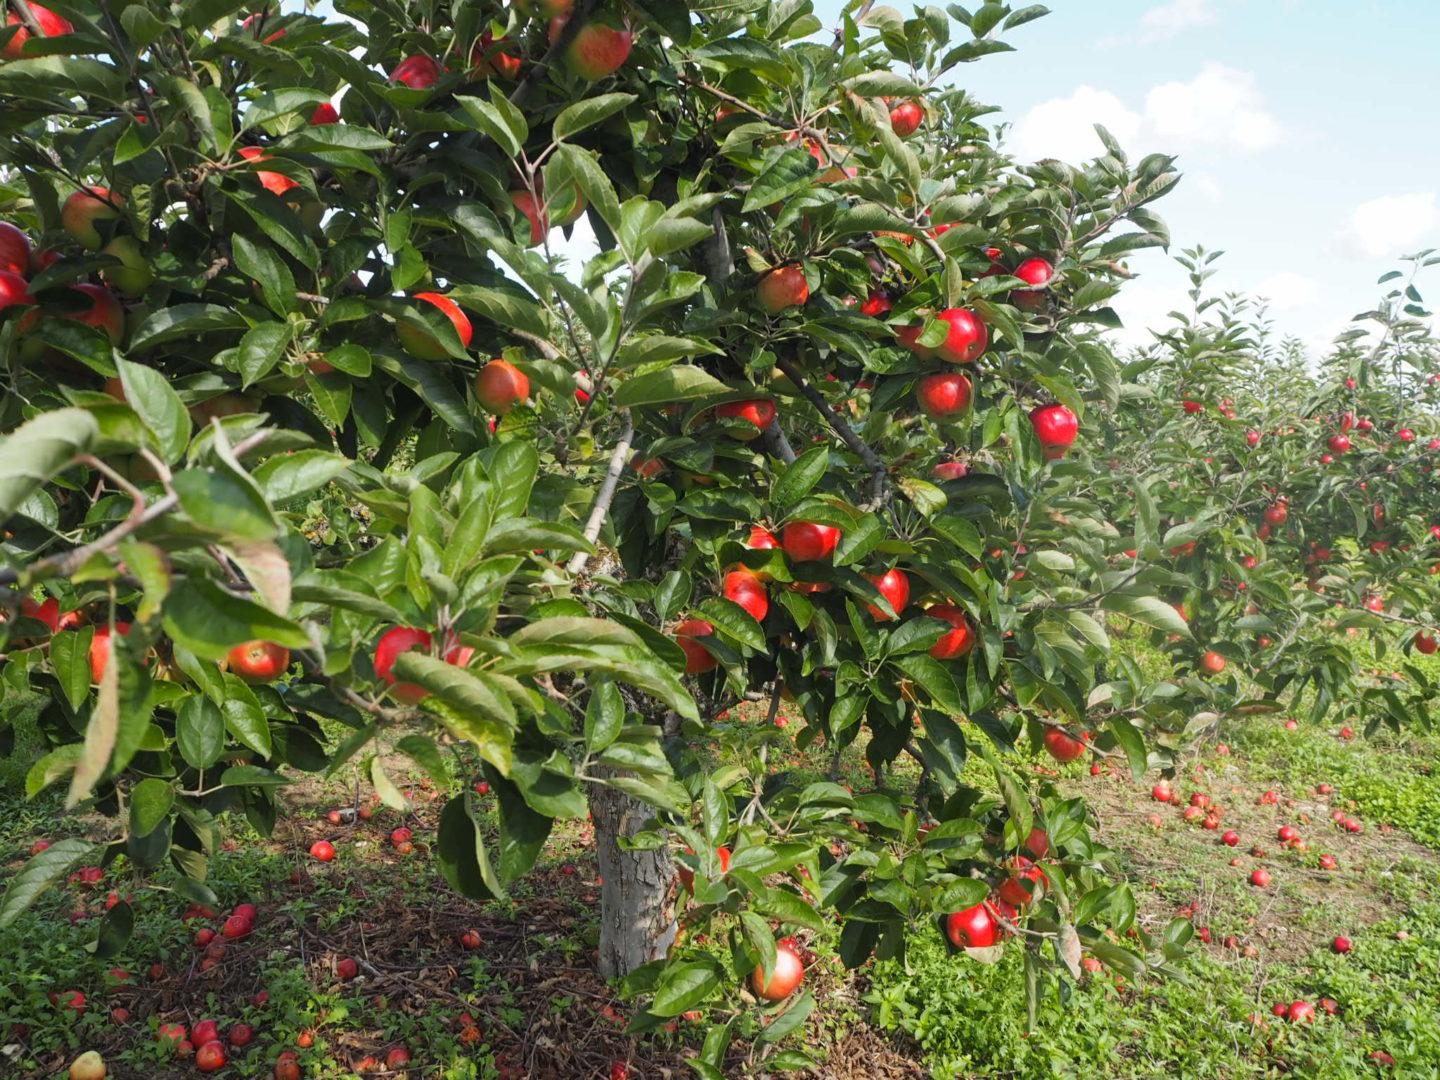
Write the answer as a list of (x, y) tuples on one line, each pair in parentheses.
[(606, 494), (879, 478)]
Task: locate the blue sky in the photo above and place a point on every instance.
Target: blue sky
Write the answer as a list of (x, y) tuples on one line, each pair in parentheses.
[(1307, 131)]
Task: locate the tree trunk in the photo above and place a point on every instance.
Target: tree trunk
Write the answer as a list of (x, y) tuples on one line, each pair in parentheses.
[(637, 923)]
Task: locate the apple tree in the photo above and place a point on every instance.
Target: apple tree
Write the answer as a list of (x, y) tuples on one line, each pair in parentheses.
[(319, 449), (1287, 509)]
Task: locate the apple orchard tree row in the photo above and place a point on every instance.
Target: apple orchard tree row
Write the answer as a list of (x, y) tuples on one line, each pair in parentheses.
[(306, 424)]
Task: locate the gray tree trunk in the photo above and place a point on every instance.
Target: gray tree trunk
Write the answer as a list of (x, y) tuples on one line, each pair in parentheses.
[(637, 921)]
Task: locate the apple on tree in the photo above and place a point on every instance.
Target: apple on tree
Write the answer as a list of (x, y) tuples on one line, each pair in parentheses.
[(783, 981)]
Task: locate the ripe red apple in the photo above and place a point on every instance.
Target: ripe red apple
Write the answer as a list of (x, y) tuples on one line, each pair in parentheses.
[(687, 876), (1056, 428), (805, 541), (906, 118), (237, 926), (470, 939), (14, 250), (171, 1033), (426, 346), (1285, 834), (1063, 748), (1405, 435), (1212, 663), (1230, 839), (783, 287), (322, 850), (789, 971), (240, 1035), (1252, 437), (260, 998), (347, 969), (1338, 444), (759, 413), (258, 661), (1193, 813), (1276, 514), (1327, 862), (324, 113), (761, 539), (967, 337), (1425, 643), (400, 835), (1300, 1012), (596, 51), (211, 1056), (51, 25), (894, 585), (492, 56), (1162, 792), (392, 643), (100, 648), (416, 72), (83, 209), (205, 1031), (974, 928), (953, 643), (397, 1059), (1342, 945), (1026, 882), (950, 470), (745, 589), (876, 304), (287, 1066), (274, 182), (14, 289), (89, 1065), (697, 657), (943, 395), (1260, 877), (103, 311), (500, 386)]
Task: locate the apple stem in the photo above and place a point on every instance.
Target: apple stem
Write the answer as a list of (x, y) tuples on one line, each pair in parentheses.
[(879, 480), (28, 18), (606, 495)]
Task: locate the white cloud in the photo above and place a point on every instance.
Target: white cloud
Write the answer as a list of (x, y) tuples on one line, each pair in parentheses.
[(1064, 127), (1170, 19), (1208, 185), (1287, 290), (1220, 105), (1144, 306), (1389, 225)]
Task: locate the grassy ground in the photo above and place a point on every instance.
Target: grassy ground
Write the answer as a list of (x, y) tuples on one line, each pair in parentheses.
[(528, 1003)]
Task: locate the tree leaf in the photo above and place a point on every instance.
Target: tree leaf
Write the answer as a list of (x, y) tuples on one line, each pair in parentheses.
[(40, 448), (42, 871)]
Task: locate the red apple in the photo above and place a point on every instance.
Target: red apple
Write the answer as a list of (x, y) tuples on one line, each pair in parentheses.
[(1230, 839), (347, 969), (943, 395), (596, 51), (500, 386), (974, 928), (287, 1066), (1026, 882), (1342, 945), (104, 311), (966, 339), (240, 1035), (237, 926), (397, 1059), (14, 250), (51, 25), (1260, 877), (783, 287), (805, 541), (470, 939), (759, 413), (1425, 643), (416, 72), (950, 470), (426, 346), (1063, 748), (322, 850), (697, 657), (392, 643), (788, 973), (1212, 663), (259, 661), (1300, 1012), (210, 1057), (906, 118), (1338, 444), (1056, 428), (14, 289), (745, 589), (894, 585), (274, 182), (83, 209), (953, 643), (1252, 437), (100, 648), (492, 56), (324, 113)]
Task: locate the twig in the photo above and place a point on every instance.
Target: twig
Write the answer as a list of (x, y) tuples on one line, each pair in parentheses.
[(606, 494), (879, 479), (774, 443)]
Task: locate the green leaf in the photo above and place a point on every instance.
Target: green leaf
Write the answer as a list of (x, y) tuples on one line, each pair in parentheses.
[(225, 504), (205, 619), (389, 794), (460, 852), (244, 717), (792, 171), (507, 127), (1130, 740), (523, 831), (199, 731), (42, 871), (115, 930), (800, 477), (262, 347), (159, 407), (681, 382), (183, 320), (1149, 610), (797, 1011), (35, 452), (588, 112), (604, 717), (70, 659), (422, 750), (150, 802), (287, 477), (685, 986)]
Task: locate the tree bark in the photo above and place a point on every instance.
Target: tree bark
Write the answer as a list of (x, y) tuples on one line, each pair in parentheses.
[(637, 922)]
